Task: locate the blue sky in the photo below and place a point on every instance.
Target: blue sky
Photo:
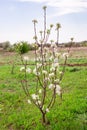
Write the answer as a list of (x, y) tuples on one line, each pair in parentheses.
[(16, 19)]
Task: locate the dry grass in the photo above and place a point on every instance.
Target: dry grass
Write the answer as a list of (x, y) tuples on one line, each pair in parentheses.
[(75, 52)]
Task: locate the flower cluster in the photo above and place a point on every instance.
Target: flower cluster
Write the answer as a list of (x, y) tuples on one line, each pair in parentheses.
[(28, 70), (26, 58), (47, 69)]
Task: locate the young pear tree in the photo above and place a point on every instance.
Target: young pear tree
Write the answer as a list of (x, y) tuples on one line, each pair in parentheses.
[(46, 71)]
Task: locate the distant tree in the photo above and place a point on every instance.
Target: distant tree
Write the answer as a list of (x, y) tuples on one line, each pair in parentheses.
[(6, 45), (1, 45), (21, 47)]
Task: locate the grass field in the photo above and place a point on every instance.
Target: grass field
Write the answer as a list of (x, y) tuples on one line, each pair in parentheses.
[(69, 114)]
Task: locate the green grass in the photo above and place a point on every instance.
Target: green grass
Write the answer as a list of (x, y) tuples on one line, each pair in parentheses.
[(77, 61), (68, 114)]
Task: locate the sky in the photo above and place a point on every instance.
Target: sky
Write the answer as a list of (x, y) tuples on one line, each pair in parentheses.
[(16, 19)]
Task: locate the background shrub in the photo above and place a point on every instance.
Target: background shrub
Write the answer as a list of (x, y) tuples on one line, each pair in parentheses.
[(21, 47)]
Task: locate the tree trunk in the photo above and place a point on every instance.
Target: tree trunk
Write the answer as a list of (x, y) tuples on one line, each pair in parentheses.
[(12, 70), (44, 119)]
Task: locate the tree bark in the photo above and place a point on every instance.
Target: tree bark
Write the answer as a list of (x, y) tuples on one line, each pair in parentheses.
[(12, 70), (44, 119)]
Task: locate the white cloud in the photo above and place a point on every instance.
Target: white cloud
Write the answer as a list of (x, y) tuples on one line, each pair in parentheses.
[(67, 3), (68, 6), (33, 1), (64, 6)]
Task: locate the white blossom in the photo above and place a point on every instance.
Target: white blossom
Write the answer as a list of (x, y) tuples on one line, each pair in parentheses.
[(51, 86), (28, 70), (51, 58), (53, 45), (56, 60), (36, 72), (36, 102), (44, 72), (39, 48), (65, 55), (58, 87), (55, 65), (52, 69), (51, 75), (56, 81), (26, 58), (58, 90), (22, 68), (34, 45), (29, 101), (38, 65), (60, 72), (39, 102), (57, 54), (40, 91), (47, 110), (46, 79), (44, 54), (55, 49), (39, 59), (34, 96), (45, 49)]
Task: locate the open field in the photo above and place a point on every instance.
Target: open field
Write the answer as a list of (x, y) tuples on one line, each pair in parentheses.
[(75, 53), (68, 114)]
